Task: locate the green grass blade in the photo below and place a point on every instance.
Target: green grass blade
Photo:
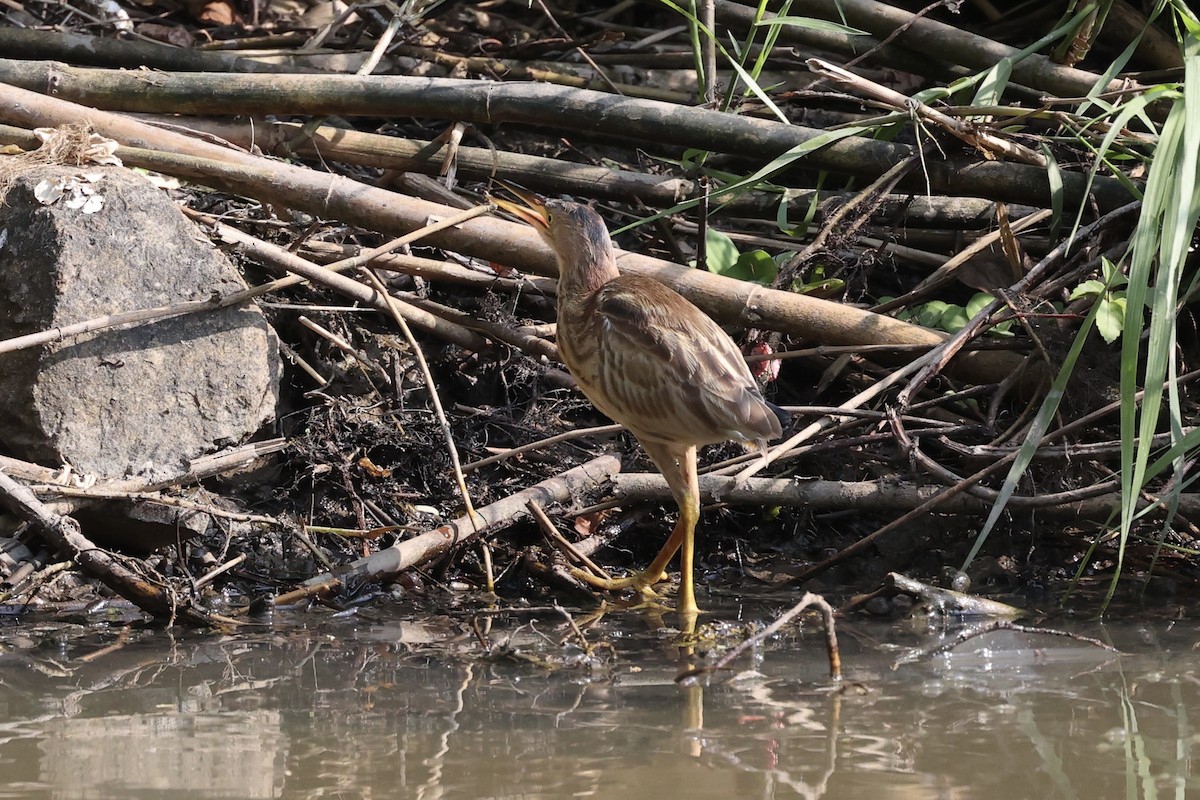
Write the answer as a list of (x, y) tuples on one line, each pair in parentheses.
[(1037, 432), (1159, 251)]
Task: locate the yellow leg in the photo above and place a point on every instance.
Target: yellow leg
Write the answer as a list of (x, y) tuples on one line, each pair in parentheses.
[(686, 602), (689, 515), (678, 466)]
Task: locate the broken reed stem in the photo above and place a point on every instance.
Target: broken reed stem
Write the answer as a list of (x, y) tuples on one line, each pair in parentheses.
[(432, 544), (212, 574), (971, 135)]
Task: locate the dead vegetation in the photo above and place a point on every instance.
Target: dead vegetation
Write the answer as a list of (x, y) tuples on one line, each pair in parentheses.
[(914, 273)]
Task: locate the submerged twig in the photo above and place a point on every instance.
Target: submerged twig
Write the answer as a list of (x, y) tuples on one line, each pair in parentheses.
[(809, 600), (975, 631)]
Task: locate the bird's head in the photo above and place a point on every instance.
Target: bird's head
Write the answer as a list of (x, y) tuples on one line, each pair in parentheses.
[(575, 232)]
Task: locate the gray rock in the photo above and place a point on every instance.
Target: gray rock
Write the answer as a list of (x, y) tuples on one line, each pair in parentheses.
[(135, 402)]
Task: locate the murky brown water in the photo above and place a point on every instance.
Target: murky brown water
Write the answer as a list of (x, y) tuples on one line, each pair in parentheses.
[(372, 705)]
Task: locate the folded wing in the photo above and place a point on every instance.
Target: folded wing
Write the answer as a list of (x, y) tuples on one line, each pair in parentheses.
[(668, 372)]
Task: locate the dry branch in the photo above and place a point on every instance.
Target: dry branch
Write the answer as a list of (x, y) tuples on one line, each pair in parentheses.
[(62, 534), (555, 176), (427, 546), (139, 54), (868, 496), (728, 300), (524, 103)]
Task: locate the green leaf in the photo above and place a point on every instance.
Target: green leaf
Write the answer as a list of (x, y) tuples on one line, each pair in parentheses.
[(954, 319), (811, 24), (719, 251), (692, 157), (930, 314), (977, 303), (1188, 21), (1110, 319), (1054, 179), (1113, 276), (991, 88), (1003, 328), (823, 286), (1092, 288), (756, 266)]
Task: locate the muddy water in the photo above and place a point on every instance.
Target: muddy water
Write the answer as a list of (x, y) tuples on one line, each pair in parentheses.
[(384, 703)]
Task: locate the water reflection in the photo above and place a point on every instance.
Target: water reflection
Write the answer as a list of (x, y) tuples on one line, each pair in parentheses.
[(320, 706)]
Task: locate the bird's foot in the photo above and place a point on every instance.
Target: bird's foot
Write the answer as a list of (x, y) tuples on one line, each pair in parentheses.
[(642, 581)]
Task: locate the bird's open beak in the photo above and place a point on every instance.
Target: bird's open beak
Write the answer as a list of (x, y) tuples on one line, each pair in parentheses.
[(534, 211)]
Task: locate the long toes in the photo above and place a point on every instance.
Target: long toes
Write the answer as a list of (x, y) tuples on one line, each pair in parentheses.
[(641, 581)]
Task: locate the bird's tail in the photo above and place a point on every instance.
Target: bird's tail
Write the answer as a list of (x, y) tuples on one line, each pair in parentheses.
[(785, 422)]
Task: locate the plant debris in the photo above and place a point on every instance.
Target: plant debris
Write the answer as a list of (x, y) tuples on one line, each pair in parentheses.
[(940, 259)]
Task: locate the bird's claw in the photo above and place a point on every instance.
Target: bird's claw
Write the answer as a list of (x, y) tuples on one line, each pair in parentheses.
[(641, 582)]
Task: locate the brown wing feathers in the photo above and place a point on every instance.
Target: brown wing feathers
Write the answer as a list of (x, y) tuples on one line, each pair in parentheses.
[(672, 369)]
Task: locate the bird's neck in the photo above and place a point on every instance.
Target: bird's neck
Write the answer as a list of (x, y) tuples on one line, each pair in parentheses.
[(581, 274)]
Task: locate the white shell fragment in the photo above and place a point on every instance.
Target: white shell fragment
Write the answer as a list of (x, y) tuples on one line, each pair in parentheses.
[(79, 194)]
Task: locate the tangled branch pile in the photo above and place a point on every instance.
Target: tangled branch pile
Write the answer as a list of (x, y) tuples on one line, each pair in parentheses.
[(956, 247)]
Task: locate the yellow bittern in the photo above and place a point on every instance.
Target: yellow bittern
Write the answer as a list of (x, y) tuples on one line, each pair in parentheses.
[(651, 361)]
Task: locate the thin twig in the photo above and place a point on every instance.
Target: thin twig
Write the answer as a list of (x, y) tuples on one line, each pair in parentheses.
[(971, 135), (212, 574), (560, 541), (566, 436), (817, 426), (346, 347), (436, 400), (808, 600)]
